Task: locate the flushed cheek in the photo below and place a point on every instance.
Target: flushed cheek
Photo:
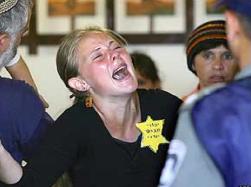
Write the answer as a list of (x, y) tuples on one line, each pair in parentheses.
[(230, 70), (97, 71), (102, 72)]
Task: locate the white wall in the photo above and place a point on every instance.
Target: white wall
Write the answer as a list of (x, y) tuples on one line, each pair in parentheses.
[(171, 63), (170, 60)]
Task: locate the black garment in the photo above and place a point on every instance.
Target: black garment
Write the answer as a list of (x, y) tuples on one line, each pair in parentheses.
[(80, 143)]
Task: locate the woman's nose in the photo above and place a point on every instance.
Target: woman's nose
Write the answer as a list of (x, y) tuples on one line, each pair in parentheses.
[(114, 56), (218, 64)]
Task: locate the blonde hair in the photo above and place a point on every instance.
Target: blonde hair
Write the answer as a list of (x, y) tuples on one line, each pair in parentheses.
[(67, 55)]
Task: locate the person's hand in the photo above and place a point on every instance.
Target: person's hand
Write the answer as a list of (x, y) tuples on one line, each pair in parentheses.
[(10, 170)]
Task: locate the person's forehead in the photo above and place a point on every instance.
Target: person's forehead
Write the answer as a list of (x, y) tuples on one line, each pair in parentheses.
[(94, 40), (6, 5)]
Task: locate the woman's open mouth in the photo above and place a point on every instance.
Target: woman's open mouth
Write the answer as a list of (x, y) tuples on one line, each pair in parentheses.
[(120, 73)]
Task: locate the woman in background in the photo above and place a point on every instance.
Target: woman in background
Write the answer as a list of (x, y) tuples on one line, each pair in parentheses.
[(146, 71)]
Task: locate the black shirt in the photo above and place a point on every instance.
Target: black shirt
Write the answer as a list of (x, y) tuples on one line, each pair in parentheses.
[(80, 143)]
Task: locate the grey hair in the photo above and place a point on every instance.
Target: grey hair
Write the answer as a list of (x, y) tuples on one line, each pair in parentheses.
[(14, 20)]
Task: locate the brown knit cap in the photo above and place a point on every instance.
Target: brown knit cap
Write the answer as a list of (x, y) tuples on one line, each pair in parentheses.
[(6, 5), (206, 36)]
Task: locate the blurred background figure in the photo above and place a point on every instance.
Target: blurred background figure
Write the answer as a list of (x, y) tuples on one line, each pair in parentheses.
[(208, 55), (146, 71), (23, 119), (211, 146)]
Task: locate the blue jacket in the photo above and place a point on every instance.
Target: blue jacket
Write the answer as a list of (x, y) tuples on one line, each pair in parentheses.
[(23, 119), (212, 142), (222, 122)]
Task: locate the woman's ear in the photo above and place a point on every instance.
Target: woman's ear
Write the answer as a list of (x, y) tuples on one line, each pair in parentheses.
[(4, 42), (78, 84)]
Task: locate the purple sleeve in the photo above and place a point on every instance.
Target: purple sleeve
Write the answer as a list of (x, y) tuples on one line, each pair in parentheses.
[(222, 123), (32, 120)]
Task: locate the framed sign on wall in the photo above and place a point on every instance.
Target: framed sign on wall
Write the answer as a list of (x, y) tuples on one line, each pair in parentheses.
[(139, 21), (164, 16), (205, 10), (63, 16)]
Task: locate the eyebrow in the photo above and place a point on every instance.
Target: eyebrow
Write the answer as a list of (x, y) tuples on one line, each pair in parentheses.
[(96, 49), (110, 43)]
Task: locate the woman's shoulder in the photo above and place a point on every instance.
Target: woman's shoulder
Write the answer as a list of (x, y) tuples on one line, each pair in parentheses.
[(158, 95), (77, 113), (159, 102)]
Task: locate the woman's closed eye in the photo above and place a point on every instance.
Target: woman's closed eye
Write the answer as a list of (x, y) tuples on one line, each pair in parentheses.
[(97, 56), (117, 47)]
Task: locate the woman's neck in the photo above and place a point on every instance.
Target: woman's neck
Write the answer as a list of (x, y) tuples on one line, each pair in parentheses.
[(120, 116)]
